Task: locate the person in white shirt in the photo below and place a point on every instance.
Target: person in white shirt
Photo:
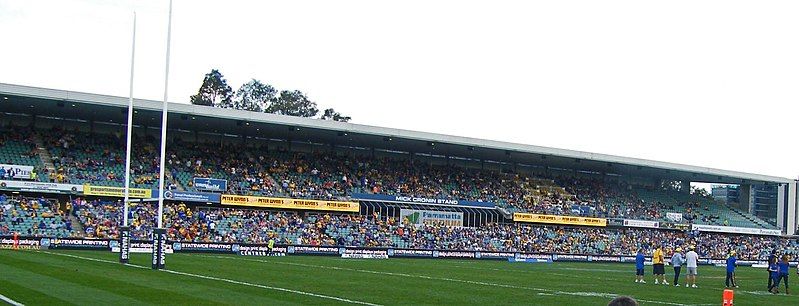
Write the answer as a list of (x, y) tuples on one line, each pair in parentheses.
[(691, 260)]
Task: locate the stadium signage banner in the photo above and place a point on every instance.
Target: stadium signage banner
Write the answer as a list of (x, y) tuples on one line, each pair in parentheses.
[(420, 200), (364, 254), (494, 255), (78, 243), (192, 196), (735, 230), (277, 251), (205, 247), (141, 247), (15, 171), (553, 219), (409, 253), (41, 187), (209, 184), (262, 250), (22, 243), (429, 217), (322, 250), (117, 191), (284, 203), (453, 254), (641, 223), (676, 217)]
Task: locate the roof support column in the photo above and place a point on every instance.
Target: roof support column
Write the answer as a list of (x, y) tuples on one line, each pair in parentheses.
[(782, 206), (745, 198), (793, 200), (685, 187)]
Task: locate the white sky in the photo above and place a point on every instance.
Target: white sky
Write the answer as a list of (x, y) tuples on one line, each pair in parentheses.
[(709, 83)]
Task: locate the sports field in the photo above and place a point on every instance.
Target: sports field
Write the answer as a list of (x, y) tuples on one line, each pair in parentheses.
[(95, 278)]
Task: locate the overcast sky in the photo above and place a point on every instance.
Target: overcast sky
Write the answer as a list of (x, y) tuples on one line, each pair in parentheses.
[(708, 83)]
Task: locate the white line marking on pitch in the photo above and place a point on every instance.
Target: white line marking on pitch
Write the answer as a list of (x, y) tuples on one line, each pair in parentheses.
[(586, 294), (226, 280), (272, 288), (10, 301)]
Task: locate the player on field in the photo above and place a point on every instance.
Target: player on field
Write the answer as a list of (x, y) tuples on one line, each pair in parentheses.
[(639, 267), (658, 267), (691, 260), (732, 262), (676, 261)]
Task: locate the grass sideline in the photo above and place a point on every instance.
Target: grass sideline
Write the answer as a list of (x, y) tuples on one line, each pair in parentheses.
[(92, 277)]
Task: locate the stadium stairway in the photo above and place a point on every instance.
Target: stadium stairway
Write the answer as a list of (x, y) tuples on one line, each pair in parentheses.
[(505, 213), (44, 155), (77, 226), (169, 178), (755, 220)]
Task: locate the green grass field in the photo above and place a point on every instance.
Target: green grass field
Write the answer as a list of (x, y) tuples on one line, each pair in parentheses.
[(94, 278)]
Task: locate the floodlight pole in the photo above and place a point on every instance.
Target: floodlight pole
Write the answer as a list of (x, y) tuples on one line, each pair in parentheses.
[(124, 231), (159, 234)]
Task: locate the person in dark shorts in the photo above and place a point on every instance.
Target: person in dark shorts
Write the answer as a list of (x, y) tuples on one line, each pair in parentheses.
[(732, 262), (639, 267), (676, 261), (771, 257), (773, 270), (783, 267), (658, 265)]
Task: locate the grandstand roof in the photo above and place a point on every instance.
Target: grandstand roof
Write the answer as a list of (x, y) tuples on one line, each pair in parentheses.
[(104, 108)]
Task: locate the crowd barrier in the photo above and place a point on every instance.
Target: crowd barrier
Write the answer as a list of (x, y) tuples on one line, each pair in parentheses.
[(245, 249)]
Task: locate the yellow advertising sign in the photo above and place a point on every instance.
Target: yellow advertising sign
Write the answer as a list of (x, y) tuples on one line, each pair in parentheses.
[(116, 191), (552, 219), (230, 199)]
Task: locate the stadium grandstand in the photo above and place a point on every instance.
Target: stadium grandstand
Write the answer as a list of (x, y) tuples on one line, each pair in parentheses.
[(242, 179)]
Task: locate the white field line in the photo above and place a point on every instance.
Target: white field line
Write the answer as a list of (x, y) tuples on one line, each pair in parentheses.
[(537, 271), (10, 301), (557, 292), (92, 259), (226, 280)]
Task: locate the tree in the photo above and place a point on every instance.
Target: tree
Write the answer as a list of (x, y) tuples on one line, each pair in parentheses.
[(254, 96), (214, 91), (293, 103), (330, 114)]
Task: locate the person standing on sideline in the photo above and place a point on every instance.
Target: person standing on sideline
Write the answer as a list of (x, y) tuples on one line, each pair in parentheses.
[(658, 267), (732, 262), (774, 271), (676, 261), (639, 267), (271, 246), (771, 257), (691, 260)]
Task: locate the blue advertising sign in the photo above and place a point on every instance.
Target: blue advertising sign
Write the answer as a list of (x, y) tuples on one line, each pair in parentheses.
[(192, 196), (421, 200), (209, 184)]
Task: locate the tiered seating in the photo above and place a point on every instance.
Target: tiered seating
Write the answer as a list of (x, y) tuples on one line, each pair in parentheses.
[(32, 217), (100, 159), (17, 148), (102, 218), (242, 225)]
